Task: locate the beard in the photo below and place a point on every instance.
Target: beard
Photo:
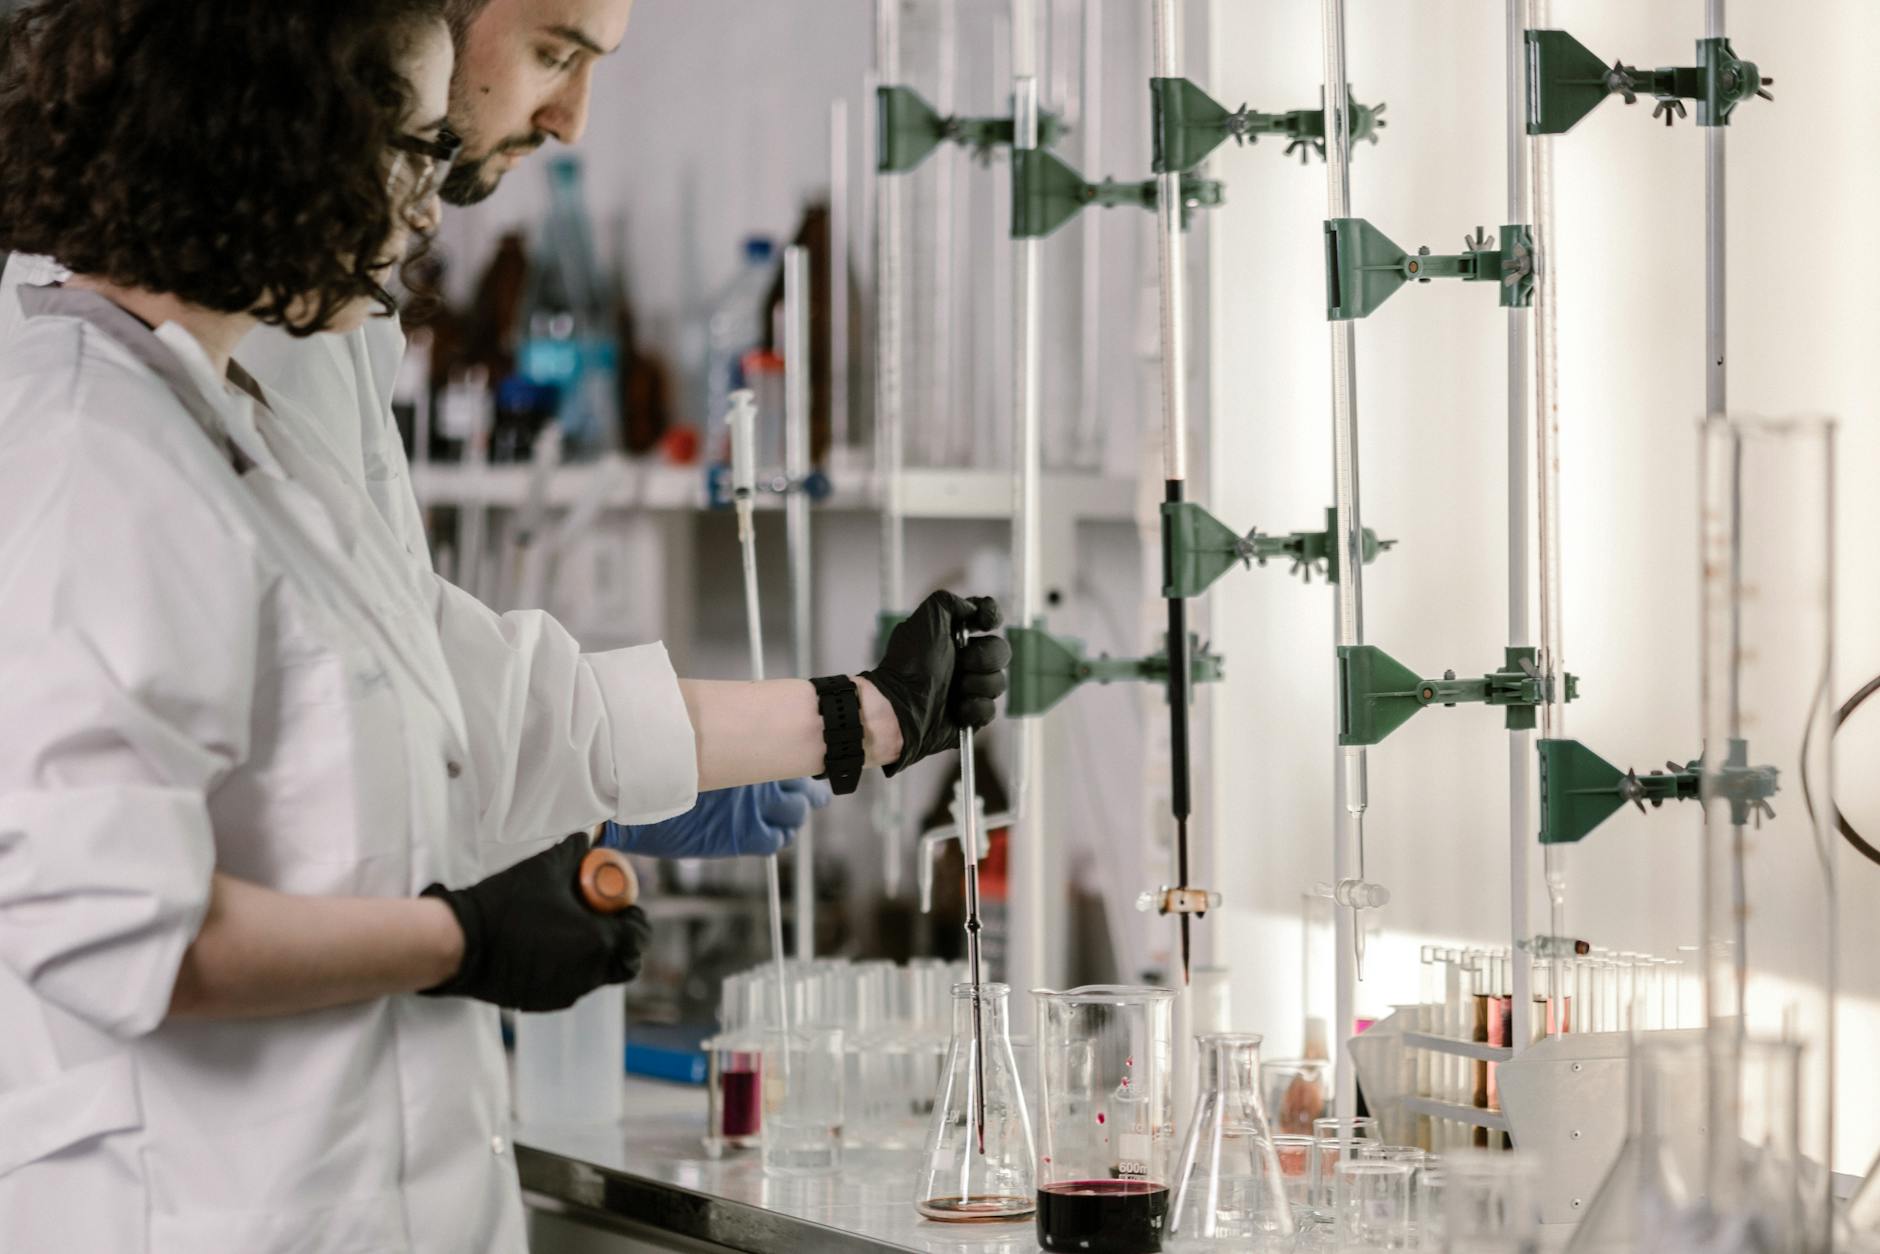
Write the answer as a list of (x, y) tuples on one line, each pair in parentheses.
[(471, 182)]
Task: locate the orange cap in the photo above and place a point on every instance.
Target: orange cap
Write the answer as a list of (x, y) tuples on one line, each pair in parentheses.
[(608, 883)]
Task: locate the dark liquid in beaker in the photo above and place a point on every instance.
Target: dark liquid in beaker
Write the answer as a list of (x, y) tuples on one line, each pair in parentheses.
[(742, 1094), (1102, 1216)]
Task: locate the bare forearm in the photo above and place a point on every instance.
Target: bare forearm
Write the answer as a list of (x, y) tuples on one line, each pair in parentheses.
[(751, 733), (262, 953)]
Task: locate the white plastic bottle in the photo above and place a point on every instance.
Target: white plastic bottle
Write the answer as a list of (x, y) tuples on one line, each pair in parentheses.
[(734, 327)]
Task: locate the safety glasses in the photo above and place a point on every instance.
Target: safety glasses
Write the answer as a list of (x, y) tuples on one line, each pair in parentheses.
[(427, 161)]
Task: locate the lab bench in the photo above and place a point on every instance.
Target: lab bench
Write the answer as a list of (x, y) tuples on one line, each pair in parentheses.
[(647, 1186)]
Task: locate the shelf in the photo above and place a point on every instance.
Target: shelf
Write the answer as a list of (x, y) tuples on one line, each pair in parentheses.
[(1464, 1049), (962, 495), (1480, 1118)]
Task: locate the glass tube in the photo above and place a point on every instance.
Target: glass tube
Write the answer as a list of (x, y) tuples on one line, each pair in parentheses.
[(1769, 909)]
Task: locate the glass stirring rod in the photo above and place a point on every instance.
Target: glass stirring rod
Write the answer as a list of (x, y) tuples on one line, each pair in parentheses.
[(969, 847), (743, 424)]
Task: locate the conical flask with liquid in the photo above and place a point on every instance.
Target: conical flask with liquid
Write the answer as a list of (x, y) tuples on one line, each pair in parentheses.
[(1657, 1170), (1229, 1191), (979, 1171)]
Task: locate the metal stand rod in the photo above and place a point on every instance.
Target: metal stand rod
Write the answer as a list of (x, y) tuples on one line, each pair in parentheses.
[(1521, 833), (1026, 914), (1351, 786), (1172, 258), (796, 357)]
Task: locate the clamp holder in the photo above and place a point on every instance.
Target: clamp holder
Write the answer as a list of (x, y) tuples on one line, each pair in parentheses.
[(1167, 900), (909, 129), (719, 493), (1566, 81), (1046, 668), (1190, 124), (1378, 694), (1580, 790), (1363, 268), (1047, 193), (1199, 549)]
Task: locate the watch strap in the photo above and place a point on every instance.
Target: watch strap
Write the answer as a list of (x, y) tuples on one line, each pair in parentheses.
[(841, 708)]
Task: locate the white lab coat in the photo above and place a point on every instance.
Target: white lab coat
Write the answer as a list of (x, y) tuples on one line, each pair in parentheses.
[(216, 655)]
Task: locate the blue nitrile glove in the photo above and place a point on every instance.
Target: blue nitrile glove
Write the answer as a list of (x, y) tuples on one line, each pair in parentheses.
[(727, 822)]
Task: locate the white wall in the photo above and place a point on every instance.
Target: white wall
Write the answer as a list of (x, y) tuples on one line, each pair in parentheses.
[(1431, 411)]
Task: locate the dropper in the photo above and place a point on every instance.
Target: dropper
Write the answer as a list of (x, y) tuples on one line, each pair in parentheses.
[(969, 847), (743, 424)]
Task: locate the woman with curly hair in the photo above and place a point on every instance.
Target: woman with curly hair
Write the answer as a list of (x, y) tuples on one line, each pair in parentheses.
[(246, 735), (231, 750)]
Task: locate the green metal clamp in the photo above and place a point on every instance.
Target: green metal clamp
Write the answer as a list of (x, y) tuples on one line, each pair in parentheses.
[(909, 129), (1378, 694), (1046, 668), (1580, 790), (1566, 81), (1201, 548), (1047, 193), (1363, 268), (1190, 124)]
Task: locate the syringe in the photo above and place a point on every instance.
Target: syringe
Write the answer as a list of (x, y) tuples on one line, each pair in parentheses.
[(743, 424)]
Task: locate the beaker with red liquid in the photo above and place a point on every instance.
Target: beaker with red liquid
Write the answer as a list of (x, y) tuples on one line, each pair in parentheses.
[(1106, 1123)]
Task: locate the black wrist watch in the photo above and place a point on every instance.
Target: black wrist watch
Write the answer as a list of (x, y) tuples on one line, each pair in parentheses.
[(841, 707)]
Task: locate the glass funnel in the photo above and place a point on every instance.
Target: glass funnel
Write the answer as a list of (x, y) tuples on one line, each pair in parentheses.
[(1229, 1187), (1107, 1126), (979, 1171)]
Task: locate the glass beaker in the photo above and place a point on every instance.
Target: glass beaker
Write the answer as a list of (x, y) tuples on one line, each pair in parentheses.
[(1491, 1204), (1107, 1125), (803, 1073), (1372, 1205), (1229, 1185), (734, 1069), (979, 1169), (1296, 1093)]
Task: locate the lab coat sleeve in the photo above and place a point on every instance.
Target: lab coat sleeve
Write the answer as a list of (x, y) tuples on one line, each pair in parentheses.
[(563, 739), (127, 656)]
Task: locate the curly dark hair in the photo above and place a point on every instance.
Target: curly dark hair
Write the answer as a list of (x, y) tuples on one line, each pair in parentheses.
[(232, 153)]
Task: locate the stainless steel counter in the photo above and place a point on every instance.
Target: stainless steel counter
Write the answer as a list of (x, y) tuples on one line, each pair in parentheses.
[(647, 1185)]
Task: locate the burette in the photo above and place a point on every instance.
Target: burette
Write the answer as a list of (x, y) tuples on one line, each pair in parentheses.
[(1520, 629), (1553, 709), (1349, 784), (743, 425), (1172, 258), (1027, 964), (796, 503), (890, 291)]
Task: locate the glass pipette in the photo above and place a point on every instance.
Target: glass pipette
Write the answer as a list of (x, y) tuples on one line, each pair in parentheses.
[(743, 425), (969, 849)]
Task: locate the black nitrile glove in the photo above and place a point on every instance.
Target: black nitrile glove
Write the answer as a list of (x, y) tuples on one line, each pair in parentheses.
[(529, 940), (936, 685)]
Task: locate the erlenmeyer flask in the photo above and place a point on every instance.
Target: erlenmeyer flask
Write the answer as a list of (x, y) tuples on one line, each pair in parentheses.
[(1658, 1167), (967, 1179), (1228, 1187)]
